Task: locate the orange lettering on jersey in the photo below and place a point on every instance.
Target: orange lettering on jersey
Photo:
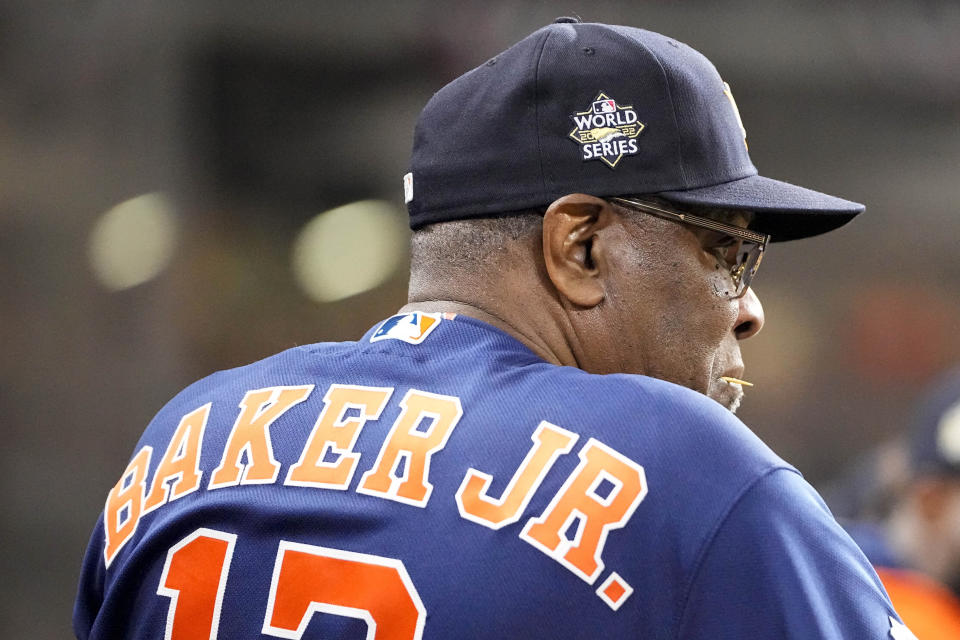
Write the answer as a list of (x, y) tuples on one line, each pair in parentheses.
[(126, 496), (579, 504), (251, 435), (181, 462), (337, 434), (413, 440), (550, 442)]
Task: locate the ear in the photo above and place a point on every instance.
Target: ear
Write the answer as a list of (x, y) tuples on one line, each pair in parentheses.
[(571, 251)]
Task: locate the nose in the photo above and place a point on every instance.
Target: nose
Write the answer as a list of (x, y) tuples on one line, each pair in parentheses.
[(749, 316)]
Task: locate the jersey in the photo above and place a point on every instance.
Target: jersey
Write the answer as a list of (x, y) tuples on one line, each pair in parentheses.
[(436, 479)]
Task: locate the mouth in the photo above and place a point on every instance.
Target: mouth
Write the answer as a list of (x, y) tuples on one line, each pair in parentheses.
[(731, 392), (727, 385)]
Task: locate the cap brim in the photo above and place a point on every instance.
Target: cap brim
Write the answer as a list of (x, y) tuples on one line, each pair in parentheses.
[(783, 210)]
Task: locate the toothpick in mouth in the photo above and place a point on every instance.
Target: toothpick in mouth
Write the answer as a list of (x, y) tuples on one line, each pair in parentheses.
[(731, 380)]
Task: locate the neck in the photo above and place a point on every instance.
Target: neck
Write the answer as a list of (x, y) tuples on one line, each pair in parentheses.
[(549, 345)]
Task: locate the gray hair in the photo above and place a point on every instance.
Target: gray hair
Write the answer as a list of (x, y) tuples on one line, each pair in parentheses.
[(465, 245)]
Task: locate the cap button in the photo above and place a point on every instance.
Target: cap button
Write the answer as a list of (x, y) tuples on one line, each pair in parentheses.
[(567, 19)]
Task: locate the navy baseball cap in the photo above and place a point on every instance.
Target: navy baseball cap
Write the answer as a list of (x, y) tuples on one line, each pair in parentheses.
[(935, 432), (599, 109)]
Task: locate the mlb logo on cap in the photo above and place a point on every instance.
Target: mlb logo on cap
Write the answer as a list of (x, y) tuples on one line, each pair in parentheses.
[(604, 106)]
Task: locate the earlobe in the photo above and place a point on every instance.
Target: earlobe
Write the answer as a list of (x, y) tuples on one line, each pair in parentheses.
[(572, 250)]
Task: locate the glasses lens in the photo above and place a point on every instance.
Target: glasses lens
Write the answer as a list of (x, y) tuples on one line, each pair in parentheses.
[(748, 260)]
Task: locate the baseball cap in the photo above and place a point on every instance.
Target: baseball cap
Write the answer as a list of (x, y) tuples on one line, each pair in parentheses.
[(600, 109), (935, 432)]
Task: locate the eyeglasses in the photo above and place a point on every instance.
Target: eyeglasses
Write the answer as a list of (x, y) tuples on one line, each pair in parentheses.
[(740, 249)]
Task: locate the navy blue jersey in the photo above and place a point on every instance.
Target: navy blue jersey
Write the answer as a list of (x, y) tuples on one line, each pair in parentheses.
[(437, 479)]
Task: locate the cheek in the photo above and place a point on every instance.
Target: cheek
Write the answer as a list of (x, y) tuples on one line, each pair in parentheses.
[(719, 287), (693, 328), (674, 295), (704, 308)]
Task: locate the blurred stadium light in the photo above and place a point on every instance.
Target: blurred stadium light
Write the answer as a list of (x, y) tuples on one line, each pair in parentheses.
[(133, 242), (349, 250)]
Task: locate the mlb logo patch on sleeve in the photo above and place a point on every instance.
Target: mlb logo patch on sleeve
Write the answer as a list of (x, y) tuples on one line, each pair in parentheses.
[(409, 327)]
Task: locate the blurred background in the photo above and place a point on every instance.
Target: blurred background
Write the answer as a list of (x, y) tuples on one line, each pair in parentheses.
[(172, 177)]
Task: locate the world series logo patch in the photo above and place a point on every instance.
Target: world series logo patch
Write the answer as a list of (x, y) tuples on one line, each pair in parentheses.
[(606, 131)]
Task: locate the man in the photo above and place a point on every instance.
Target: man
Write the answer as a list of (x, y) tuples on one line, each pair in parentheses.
[(914, 540), (541, 444), (924, 524)]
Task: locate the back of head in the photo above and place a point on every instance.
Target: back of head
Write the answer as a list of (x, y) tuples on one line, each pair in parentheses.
[(464, 250)]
